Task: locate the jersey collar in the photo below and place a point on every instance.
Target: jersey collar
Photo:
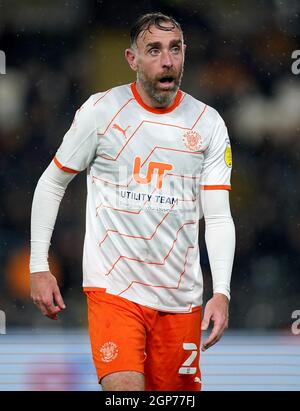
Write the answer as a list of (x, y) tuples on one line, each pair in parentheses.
[(152, 109)]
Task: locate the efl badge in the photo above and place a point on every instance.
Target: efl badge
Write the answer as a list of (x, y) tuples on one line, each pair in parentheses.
[(192, 140), (228, 156)]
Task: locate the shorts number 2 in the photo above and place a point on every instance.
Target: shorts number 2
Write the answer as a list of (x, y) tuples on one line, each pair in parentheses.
[(185, 368)]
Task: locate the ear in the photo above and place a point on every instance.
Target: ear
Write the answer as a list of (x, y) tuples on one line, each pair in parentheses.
[(131, 57)]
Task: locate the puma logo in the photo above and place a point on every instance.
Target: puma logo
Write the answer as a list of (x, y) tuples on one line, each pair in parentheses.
[(123, 131)]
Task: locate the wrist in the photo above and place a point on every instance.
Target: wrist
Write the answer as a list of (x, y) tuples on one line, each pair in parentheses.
[(221, 296)]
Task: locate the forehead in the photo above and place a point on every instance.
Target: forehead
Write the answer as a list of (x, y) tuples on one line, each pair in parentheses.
[(157, 35)]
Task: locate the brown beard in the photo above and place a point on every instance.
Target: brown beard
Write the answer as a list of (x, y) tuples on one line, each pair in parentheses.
[(162, 98)]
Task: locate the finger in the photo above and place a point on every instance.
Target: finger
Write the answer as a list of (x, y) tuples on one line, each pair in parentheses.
[(58, 299), (44, 311), (52, 309), (210, 343), (206, 320), (47, 308), (214, 336), (40, 307)]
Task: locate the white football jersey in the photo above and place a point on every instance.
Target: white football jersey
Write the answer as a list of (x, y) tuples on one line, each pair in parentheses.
[(145, 168)]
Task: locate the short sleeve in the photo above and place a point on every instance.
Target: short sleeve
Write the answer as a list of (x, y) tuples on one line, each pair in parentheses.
[(79, 144), (217, 164)]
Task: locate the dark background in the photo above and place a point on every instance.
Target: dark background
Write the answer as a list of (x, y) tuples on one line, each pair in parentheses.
[(238, 61)]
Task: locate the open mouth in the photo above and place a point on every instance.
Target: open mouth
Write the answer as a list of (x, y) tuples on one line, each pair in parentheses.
[(166, 81)]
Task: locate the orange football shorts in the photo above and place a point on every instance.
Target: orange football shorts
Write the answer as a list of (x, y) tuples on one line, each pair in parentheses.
[(126, 336)]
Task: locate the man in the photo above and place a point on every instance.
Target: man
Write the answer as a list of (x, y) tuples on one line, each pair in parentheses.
[(157, 160)]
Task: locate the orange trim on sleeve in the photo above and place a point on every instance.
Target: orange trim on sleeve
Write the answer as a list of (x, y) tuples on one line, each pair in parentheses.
[(216, 187), (152, 109), (94, 289), (66, 169)]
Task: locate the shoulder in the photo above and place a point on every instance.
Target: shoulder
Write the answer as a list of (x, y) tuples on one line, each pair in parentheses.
[(106, 104), (118, 93), (211, 116)]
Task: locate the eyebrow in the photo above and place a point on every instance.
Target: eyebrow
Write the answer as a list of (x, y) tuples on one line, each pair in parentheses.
[(157, 44)]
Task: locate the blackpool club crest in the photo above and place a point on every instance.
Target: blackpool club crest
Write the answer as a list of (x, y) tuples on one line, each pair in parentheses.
[(192, 140), (109, 351)]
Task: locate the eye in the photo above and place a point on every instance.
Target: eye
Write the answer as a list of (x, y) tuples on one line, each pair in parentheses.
[(175, 49), (154, 52)]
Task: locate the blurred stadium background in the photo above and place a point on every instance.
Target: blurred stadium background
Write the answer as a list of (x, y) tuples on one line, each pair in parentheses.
[(239, 61)]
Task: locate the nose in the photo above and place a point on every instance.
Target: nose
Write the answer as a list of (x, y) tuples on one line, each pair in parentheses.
[(166, 60)]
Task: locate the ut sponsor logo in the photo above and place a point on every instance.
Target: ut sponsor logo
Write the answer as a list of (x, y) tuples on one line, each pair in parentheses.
[(2, 62), (152, 166)]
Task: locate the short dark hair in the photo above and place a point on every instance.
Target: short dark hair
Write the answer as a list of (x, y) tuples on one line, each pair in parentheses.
[(144, 22)]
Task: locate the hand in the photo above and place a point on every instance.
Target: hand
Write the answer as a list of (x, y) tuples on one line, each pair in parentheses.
[(216, 310), (45, 293)]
